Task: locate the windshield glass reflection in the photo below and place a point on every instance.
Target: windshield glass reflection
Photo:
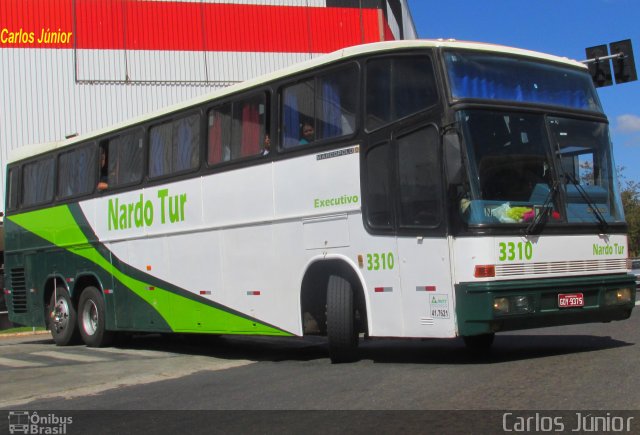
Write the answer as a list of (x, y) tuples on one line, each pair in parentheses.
[(517, 167)]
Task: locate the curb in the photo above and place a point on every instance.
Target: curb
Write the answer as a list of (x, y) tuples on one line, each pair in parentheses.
[(23, 334)]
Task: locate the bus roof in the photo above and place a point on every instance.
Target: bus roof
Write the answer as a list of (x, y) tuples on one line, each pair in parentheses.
[(25, 152)]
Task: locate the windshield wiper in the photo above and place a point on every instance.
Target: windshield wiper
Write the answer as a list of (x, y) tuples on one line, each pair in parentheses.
[(603, 224), (541, 218)]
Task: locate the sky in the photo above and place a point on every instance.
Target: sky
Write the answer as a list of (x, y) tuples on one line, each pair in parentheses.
[(560, 27)]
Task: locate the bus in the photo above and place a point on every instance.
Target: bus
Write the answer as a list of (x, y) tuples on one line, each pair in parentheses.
[(414, 189)]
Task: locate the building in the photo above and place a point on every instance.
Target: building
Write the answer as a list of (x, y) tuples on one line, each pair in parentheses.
[(72, 66)]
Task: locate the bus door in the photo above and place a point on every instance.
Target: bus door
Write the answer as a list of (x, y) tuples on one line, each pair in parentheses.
[(379, 251), (409, 205), (423, 249)]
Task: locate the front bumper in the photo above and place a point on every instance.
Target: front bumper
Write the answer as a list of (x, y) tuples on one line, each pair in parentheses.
[(475, 313)]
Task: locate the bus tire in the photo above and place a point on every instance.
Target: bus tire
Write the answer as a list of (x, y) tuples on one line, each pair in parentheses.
[(62, 319), (479, 344), (341, 325), (91, 319)]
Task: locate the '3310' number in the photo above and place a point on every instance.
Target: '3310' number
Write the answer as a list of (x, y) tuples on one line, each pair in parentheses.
[(510, 251), (383, 260)]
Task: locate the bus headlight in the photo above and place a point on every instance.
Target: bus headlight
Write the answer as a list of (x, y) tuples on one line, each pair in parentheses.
[(501, 305), (520, 304), (617, 296)]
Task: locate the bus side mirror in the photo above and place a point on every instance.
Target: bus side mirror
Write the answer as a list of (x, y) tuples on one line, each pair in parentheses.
[(452, 157)]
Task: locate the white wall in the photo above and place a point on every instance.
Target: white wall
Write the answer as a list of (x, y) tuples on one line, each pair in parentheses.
[(49, 93)]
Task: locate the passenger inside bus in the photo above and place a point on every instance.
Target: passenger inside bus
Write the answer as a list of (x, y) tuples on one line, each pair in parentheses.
[(266, 145), (308, 134), (103, 181)]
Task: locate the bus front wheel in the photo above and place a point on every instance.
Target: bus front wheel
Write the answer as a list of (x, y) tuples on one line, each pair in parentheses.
[(62, 318), (341, 323), (92, 319)]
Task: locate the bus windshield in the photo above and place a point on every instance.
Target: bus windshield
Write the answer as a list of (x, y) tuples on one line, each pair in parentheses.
[(474, 75), (522, 164)]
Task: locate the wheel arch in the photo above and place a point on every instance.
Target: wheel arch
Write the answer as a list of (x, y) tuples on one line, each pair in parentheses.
[(51, 282), (313, 292), (85, 280), (79, 283)]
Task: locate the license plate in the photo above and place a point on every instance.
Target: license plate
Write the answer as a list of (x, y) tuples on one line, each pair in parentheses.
[(570, 300)]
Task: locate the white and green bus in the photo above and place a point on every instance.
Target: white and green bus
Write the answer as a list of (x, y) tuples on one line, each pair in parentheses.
[(399, 189)]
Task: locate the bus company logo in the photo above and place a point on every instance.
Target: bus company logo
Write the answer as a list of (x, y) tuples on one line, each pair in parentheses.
[(143, 213), (603, 250), (338, 153), (25, 422)]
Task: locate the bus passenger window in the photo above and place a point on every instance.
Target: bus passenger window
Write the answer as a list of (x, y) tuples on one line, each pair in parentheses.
[(76, 171), (12, 188), (186, 143), (124, 159), (320, 108), (248, 128), (37, 182), (238, 129), (420, 178), (298, 110), (336, 103), (398, 87), (219, 141), (174, 146), (160, 150), (378, 198)]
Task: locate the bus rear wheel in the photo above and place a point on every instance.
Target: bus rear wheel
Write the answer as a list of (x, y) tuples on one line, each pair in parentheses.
[(62, 318), (92, 319), (341, 322)]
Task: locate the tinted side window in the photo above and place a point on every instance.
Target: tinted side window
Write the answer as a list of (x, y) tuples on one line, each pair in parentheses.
[(248, 126), (336, 103), (419, 179), (77, 172), (237, 129), (174, 146), (219, 141), (378, 200), (37, 182), (398, 87), (298, 111), (320, 108), (13, 180), (124, 159)]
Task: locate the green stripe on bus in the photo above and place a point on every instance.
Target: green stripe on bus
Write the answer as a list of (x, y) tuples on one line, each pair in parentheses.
[(57, 226)]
